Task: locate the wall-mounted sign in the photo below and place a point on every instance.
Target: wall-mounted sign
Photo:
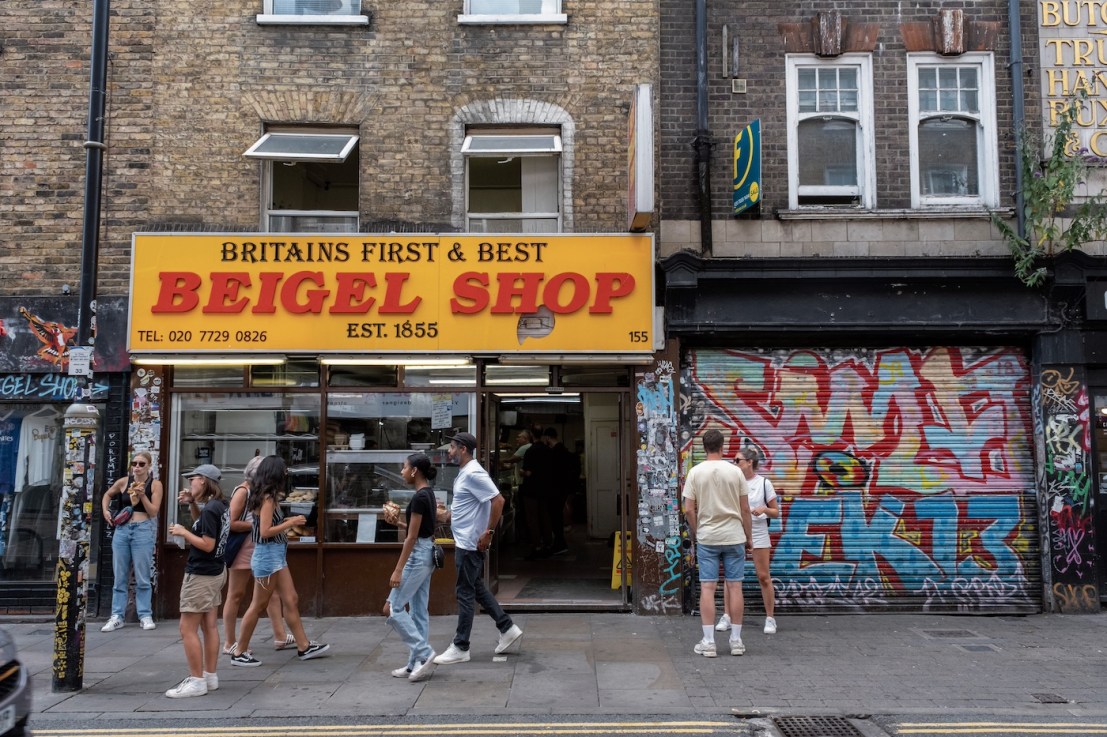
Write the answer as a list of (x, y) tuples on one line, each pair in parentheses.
[(284, 292), (747, 167), (640, 202), (1072, 57)]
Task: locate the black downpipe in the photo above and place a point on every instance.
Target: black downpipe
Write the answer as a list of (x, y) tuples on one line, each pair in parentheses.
[(1018, 110), (702, 141), (94, 167)]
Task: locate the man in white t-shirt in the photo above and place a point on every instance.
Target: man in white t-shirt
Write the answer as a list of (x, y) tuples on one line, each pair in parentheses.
[(474, 514), (717, 509)]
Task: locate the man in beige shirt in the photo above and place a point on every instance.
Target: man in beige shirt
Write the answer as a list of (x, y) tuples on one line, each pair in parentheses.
[(717, 509)]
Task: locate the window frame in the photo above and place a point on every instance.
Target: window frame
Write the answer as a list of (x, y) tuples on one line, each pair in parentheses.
[(864, 117), (987, 135), (269, 17), (551, 13), (552, 151), (269, 160)]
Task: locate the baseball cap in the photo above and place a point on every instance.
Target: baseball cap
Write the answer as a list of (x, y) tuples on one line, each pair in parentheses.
[(207, 470), (468, 439)]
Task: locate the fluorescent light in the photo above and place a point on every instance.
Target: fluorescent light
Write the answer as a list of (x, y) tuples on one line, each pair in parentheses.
[(566, 359), (453, 382), (408, 361), (194, 360), (524, 381)]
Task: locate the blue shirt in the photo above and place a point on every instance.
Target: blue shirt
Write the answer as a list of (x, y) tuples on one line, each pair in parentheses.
[(472, 506)]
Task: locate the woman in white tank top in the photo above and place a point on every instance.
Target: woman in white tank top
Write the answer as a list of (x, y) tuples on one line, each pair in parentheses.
[(763, 505)]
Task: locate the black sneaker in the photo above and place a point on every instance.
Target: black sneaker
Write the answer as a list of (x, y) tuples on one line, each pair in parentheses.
[(245, 660), (314, 650)]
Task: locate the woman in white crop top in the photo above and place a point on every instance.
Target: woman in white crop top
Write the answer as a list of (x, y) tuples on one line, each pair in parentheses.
[(763, 505)]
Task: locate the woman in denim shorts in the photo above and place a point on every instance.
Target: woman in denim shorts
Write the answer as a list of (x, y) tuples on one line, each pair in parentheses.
[(269, 565)]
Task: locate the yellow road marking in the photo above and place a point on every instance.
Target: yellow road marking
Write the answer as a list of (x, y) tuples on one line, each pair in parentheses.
[(421, 729)]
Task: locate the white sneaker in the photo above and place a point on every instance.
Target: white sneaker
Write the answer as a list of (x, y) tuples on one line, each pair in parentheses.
[(706, 649), (453, 654), (509, 639), (112, 624), (723, 625), (423, 671), (212, 681), (737, 648), (190, 686), (401, 672), (147, 623), (770, 626)]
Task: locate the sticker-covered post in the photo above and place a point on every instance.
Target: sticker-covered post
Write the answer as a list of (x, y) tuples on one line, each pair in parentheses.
[(82, 423)]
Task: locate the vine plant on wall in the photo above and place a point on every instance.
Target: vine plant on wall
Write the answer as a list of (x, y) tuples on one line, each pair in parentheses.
[(1054, 223)]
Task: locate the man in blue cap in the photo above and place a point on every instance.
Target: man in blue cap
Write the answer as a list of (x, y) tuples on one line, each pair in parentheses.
[(475, 512)]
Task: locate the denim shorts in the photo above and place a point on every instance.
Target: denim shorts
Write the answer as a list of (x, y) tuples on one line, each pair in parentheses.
[(267, 559), (733, 558)]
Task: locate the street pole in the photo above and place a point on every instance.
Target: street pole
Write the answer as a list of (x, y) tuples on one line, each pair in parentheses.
[(82, 421), (74, 523)]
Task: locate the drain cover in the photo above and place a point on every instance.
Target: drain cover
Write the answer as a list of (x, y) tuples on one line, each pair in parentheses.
[(816, 727), (1050, 698), (950, 633), (979, 648)]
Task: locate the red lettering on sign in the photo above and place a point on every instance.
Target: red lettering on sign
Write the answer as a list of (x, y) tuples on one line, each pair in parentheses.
[(178, 292)]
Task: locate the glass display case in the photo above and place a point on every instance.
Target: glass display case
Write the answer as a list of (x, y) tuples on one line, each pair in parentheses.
[(228, 429), (368, 436), (359, 482)]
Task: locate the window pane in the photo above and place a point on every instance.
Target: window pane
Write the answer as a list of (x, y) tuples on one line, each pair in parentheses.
[(948, 158), (947, 77), (848, 101), (363, 375), (807, 101), (928, 101), (290, 373), (828, 153), (316, 7), (847, 78), (806, 78), (495, 184), (928, 78), (947, 100), (505, 7), (440, 376), (294, 146), (209, 376), (315, 185)]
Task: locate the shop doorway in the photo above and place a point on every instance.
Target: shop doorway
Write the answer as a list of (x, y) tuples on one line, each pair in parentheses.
[(565, 501)]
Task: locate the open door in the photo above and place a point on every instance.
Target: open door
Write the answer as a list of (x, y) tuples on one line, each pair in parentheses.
[(490, 434)]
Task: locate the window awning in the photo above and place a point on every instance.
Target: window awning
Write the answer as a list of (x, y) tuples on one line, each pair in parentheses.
[(478, 145), (327, 147)]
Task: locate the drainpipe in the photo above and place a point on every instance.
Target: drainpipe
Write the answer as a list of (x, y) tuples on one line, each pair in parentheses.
[(1017, 106), (94, 157), (702, 140)]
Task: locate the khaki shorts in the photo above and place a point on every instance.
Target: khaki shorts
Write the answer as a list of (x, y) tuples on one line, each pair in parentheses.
[(202, 593)]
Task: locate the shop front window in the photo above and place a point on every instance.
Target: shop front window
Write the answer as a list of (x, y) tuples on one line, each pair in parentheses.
[(227, 430), (31, 465), (368, 436)]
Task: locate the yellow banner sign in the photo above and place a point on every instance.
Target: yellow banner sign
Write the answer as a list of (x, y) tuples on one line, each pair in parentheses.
[(408, 293)]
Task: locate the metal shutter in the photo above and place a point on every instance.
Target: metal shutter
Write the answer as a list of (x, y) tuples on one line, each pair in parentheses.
[(906, 474)]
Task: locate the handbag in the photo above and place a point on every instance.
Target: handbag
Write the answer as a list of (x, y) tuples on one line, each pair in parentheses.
[(438, 555), (123, 516), (235, 539)]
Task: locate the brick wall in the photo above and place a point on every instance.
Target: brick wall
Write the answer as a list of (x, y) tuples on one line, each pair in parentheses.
[(762, 65), (192, 83)]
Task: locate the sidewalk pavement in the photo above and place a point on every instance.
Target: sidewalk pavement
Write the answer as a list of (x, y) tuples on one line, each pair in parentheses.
[(893, 664)]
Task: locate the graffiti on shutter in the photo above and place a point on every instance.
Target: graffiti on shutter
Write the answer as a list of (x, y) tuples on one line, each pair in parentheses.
[(906, 475)]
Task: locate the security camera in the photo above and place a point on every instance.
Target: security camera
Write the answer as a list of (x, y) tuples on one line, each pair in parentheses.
[(66, 289)]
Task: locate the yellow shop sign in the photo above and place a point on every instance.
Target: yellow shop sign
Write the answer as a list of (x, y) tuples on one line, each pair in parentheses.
[(382, 293)]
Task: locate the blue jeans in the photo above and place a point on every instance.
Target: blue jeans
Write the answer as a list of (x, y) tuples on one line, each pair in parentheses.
[(132, 545), (413, 626), (471, 590)]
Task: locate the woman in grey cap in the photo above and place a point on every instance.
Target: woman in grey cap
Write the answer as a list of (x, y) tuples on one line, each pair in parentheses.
[(132, 544)]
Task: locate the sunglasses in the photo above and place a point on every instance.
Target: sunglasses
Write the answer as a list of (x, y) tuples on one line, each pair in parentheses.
[(140, 464)]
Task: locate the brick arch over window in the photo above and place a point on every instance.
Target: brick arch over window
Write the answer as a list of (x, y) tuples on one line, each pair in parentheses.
[(507, 112)]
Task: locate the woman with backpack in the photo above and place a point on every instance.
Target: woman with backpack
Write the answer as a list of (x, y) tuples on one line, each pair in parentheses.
[(238, 568), (269, 563)]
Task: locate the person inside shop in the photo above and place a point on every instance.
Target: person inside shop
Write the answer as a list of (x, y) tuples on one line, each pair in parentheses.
[(409, 601), (238, 567), (563, 477), (538, 478), (132, 543), (269, 564), (205, 574), (475, 512), (515, 460)]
